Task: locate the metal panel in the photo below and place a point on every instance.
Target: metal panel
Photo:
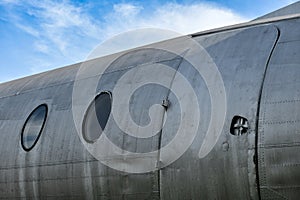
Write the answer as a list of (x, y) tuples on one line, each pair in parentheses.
[(279, 119), (59, 167), (130, 185), (228, 171)]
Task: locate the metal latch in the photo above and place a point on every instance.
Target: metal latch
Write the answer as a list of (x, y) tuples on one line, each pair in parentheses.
[(165, 103)]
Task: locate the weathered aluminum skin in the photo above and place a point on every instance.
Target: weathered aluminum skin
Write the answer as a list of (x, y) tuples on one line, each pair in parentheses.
[(279, 136), (242, 63), (259, 66)]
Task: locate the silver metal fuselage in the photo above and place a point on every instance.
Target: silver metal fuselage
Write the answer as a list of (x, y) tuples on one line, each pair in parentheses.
[(259, 63)]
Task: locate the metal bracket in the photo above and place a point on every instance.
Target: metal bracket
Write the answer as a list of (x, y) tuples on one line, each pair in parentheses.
[(166, 103)]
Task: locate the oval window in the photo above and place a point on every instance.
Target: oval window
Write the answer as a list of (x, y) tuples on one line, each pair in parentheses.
[(97, 116), (33, 127)]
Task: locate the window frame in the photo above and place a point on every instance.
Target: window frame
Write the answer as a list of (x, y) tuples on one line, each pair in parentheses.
[(40, 131), (87, 112)]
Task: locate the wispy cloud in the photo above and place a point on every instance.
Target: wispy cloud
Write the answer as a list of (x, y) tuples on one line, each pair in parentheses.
[(65, 32), (177, 17), (28, 29), (63, 22), (127, 9)]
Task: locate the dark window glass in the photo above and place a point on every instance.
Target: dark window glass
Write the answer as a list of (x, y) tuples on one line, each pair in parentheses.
[(96, 117), (33, 127)]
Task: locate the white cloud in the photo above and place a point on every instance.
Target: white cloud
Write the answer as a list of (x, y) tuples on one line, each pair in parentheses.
[(60, 22), (68, 26), (177, 17), (28, 29), (66, 32), (183, 19), (126, 9)]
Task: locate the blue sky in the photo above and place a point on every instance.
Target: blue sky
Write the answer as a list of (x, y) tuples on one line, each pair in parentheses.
[(39, 35)]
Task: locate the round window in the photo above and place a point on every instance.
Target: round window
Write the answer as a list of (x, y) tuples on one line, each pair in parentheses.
[(97, 116), (33, 127)]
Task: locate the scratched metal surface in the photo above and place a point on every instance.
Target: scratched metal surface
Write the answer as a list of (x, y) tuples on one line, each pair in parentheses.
[(279, 121), (241, 57), (59, 167)]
